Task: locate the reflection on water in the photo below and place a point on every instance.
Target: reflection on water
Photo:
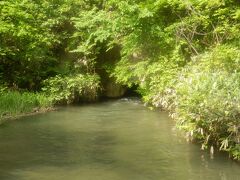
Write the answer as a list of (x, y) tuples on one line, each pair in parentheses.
[(115, 140)]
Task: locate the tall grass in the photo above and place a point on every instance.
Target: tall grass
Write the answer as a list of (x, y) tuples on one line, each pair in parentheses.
[(205, 100), (14, 103), (207, 107)]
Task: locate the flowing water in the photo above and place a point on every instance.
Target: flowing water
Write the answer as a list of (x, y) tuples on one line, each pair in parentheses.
[(114, 140)]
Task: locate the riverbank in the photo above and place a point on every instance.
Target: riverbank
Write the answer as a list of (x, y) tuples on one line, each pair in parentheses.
[(4, 119), (59, 90), (15, 104)]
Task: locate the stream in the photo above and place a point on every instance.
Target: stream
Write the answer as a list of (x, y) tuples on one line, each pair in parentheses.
[(112, 140)]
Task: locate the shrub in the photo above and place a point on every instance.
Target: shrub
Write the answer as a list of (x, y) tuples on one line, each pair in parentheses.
[(207, 106), (72, 89), (205, 100)]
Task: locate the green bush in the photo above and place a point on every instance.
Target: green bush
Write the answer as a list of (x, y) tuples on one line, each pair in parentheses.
[(205, 100), (207, 106), (72, 89)]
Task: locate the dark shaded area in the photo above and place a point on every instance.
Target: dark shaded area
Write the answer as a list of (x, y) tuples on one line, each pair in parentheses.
[(132, 92), (105, 63)]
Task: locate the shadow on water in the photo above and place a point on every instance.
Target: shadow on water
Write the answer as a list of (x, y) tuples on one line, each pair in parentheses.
[(116, 139)]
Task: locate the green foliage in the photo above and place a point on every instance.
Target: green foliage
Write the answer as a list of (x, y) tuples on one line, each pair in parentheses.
[(13, 103), (2, 89), (225, 58), (72, 89), (207, 107), (25, 40), (205, 99), (34, 36)]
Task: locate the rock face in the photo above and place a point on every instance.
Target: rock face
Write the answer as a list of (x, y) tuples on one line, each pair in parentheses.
[(111, 89)]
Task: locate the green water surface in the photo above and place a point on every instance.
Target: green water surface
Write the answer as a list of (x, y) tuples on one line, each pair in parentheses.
[(114, 140)]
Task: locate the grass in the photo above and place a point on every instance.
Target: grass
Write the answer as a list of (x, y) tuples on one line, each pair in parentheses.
[(13, 103)]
